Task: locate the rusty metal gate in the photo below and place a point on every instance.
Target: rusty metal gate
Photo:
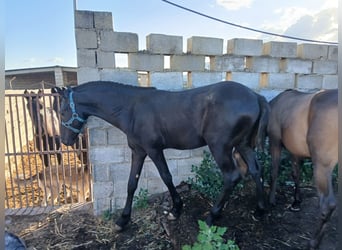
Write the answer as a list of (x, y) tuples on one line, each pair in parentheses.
[(39, 170)]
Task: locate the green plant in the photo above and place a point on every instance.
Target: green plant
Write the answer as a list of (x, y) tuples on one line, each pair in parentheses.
[(208, 178), (140, 200), (210, 238), (107, 215)]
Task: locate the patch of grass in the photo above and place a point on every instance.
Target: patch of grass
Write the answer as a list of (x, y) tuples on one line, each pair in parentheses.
[(208, 178), (140, 200), (210, 238), (107, 215)]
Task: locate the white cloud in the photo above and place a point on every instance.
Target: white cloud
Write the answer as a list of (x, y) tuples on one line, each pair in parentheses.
[(234, 4)]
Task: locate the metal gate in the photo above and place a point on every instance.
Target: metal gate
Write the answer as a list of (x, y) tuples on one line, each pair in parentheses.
[(40, 170)]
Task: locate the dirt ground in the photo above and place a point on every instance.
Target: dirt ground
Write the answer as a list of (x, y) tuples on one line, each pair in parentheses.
[(278, 229)]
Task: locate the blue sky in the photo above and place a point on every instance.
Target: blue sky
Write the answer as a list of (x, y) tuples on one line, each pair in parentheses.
[(40, 33)]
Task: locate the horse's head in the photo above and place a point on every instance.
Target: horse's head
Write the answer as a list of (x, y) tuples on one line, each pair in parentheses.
[(71, 121)]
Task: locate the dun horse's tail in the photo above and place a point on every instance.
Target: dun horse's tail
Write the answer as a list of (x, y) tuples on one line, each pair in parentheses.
[(260, 136)]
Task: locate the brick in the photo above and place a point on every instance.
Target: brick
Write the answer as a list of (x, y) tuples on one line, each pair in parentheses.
[(330, 82), (263, 64), (86, 58), (167, 80), (187, 63), (84, 19), (103, 20), (145, 62), (312, 51), (118, 41), (102, 205), (176, 154), (94, 122), (250, 80), (105, 59), (86, 39), (333, 52), (198, 79), (102, 154), (246, 47), (116, 136), (103, 189), (205, 46), (324, 67), (119, 75), (86, 74), (101, 172), (98, 137), (279, 80), (164, 44), (309, 81), (227, 63), (296, 66), (280, 49)]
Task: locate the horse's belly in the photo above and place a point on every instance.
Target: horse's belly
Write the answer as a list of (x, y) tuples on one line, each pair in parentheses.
[(296, 143)]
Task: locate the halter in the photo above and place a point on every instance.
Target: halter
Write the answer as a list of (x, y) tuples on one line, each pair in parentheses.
[(74, 116)]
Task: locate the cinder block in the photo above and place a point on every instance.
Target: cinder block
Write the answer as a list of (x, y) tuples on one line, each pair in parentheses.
[(156, 185), (279, 80), (86, 58), (145, 62), (119, 75), (100, 173), (309, 81), (263, 64), (167, 80), (227, 63), (176, 154), (84, 19), (98, 137), (86, 39), (333, 52), (269, 94), (86, 74), (103, 20), (105, 154), (296, 66), (105, 59), (324, 67), (103, 189), (245, 47), (250, 80), (198, 79), (187, 63), (94, 122), (312, 51), (330, 82), (116, 136), (119, 172), (280, 49), (102, 205), (164, 44), (118, 41), (205, 46)]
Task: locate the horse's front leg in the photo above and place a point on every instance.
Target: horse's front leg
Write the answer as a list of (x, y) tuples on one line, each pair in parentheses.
[(158, 158), (138, 157)]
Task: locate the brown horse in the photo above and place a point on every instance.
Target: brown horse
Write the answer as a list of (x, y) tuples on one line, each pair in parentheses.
[(306, 125)]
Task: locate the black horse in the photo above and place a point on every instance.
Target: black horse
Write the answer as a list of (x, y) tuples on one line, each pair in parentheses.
[(226, 116), (46, 126)]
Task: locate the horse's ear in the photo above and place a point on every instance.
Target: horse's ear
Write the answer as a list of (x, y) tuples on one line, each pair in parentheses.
[(26, 93)]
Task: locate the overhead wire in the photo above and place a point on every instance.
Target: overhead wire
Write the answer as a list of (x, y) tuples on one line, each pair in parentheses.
[(245, 27)]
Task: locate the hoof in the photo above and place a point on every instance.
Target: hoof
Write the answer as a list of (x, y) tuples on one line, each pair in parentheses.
[(118, 228), (171, 216)]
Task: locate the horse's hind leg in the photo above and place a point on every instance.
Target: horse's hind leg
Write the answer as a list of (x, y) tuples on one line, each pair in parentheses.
[(256, 171), (138, 157), (231, 176), (323, 178), (296, 177)]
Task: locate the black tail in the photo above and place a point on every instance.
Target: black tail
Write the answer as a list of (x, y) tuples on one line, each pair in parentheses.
[(261, 132)]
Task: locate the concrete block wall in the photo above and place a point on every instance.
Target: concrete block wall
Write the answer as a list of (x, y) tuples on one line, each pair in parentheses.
[(268, 68)]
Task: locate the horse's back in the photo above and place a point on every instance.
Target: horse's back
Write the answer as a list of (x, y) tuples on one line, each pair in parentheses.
[(323, 132), (288, 120)]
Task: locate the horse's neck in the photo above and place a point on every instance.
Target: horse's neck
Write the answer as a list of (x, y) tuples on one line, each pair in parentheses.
[(109, 108)]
